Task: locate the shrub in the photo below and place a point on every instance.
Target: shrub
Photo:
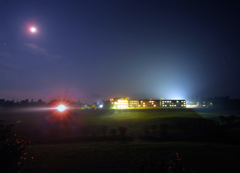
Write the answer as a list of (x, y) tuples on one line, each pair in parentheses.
[(94, 134), (12, 150), (113, 132), (164, 129), (232, 118), (122, 130), (229, 119), (154, 128), (104, 130), (222, 119), (146, 130)]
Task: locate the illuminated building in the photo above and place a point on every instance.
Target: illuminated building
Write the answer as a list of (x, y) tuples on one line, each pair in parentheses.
[(125, 102), (133, 103), (173, 103), (149, 103), (119, 102)]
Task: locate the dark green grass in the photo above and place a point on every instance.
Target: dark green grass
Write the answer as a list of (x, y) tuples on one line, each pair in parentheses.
[(124, 156), (44, 126), (120, 155)]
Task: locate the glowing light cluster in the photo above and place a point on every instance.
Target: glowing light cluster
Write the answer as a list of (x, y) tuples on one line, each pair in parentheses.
[(61, 108), (121, 103)]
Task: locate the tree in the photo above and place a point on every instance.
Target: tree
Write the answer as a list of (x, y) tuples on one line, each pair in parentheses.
[(164, 130), (122, 130), (104, 130)]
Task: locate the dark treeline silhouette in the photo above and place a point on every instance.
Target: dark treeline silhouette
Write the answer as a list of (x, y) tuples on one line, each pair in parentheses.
[(39, 103), (218, 102)]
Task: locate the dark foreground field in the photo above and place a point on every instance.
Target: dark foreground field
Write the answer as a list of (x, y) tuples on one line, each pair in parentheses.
[(76, 142), (120, 156)]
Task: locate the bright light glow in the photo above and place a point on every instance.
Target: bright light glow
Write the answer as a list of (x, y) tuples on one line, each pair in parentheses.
[(33, 29), (121, 104), (61, 108), (189, 106), (100, 106)]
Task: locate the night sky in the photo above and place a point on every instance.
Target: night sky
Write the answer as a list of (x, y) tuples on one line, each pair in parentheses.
[(98, 49)]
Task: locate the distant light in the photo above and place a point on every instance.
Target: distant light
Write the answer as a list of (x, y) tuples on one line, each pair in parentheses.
[(61, 108), (100, 106), (33, 29)]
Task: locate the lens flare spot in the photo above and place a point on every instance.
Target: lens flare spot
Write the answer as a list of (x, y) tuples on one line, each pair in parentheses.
[(61, 108)]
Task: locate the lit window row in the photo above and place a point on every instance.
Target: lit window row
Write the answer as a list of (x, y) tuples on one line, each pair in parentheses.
[(122, 101), (167, 101), (122, 106)]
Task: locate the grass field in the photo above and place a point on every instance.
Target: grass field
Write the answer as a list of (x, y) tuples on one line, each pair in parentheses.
[(42, 124), (60, 145)]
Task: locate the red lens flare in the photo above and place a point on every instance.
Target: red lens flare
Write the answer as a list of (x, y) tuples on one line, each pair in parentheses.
[(59, 108), (60, 114)]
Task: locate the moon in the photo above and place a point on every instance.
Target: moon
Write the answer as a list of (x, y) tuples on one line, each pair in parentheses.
[(33, 29)]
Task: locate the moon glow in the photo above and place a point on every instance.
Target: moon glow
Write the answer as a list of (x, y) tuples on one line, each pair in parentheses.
[(32, 29)]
